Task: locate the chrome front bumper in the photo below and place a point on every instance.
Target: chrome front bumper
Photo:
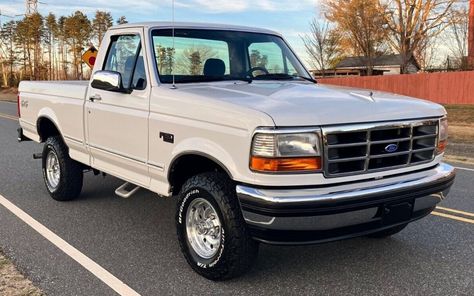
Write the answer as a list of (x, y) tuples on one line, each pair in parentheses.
[(323, 213)]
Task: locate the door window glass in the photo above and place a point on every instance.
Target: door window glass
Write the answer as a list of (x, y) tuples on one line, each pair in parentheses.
[(122, 56), (139, 76)]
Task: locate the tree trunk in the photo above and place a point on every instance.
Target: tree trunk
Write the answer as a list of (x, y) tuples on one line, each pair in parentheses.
[(4, 75), (30, 64), (471, 35), (12, 61), (36, 60), (50, 57)]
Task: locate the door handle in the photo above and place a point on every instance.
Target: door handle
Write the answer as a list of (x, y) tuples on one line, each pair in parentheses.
[(95, 97)]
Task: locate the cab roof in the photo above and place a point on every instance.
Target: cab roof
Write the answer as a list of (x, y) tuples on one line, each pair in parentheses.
[(188, 25)]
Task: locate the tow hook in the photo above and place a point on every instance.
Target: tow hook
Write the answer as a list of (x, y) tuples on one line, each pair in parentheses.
[(38, 156)]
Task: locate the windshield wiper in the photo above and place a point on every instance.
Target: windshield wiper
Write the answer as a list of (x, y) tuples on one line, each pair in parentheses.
[(306, 78), (283, 76), (247, 79)]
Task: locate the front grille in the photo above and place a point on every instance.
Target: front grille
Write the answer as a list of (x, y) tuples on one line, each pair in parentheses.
[(365, 148)]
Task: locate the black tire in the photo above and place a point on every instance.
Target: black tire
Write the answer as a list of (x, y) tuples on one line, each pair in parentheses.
[(237, 250), (70, 171), (388, 232)]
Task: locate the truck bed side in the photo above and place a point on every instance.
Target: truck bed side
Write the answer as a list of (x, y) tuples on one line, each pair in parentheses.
[(61, 103)]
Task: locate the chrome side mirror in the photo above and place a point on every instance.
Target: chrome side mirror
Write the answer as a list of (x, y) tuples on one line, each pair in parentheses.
[(108, 80)]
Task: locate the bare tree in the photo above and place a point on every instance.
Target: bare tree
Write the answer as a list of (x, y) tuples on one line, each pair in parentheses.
[(412, 22), (458, 20), (322, 45), (361, 25), (471, 35), (427, 53)]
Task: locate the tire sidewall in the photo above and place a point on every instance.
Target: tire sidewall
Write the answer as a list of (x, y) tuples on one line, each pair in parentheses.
[(198, 262)]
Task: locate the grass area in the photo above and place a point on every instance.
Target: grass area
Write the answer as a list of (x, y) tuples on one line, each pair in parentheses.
[(459, 159), (461, 123), (460, 114), (13, 283), (8, 94)]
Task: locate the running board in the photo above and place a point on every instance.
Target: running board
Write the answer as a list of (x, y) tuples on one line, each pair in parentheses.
[(126, 190)]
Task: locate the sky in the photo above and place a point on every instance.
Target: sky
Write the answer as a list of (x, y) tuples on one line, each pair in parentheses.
[(289, 17)]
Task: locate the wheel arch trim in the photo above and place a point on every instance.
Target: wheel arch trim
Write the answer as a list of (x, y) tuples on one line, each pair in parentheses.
[(174, 160), (47, 114)]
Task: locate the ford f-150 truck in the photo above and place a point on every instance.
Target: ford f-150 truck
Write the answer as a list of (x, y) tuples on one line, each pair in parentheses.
[(228, 119)]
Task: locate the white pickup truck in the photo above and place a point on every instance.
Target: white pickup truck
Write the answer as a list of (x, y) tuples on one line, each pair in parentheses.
[(228, 119)]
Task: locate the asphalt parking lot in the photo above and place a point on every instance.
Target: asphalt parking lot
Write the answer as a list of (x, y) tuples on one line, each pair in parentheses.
[(134, 239)]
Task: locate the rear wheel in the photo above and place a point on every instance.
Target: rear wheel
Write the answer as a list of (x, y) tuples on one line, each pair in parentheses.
[(388, 232), (211, 230), (62, 175)]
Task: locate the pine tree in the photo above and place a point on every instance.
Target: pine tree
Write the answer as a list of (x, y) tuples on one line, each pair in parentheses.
[(122, 20), (195, 63), (78, 30), (7, 38), (51, 29), (101, 23)]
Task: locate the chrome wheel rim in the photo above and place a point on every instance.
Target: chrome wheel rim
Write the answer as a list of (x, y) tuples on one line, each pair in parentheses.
[(53, 172), (203, 228)]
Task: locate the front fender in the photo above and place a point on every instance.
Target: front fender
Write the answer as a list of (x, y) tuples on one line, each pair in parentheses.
[(207, 148)]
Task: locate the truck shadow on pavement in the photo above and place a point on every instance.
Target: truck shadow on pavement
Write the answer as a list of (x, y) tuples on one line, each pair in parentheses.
[(140, 232)]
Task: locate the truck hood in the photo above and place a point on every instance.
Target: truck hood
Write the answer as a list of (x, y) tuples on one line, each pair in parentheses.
[(304, 104)]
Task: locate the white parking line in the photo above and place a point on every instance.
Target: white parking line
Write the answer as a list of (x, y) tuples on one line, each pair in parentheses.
[(94, 268), (465, 169)]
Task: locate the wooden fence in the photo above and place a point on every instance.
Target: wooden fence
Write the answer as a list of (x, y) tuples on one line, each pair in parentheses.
[(444, 88)]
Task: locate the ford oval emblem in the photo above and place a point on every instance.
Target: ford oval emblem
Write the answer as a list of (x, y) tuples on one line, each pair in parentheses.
[(391, 148)]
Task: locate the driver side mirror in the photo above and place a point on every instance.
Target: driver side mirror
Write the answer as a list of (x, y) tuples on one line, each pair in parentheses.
[(108, 80)]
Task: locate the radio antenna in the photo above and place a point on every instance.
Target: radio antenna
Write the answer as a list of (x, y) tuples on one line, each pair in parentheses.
[(173, 52)]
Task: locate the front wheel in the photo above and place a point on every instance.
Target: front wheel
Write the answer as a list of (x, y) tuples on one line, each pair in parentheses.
[(211, 230), (62, 175)]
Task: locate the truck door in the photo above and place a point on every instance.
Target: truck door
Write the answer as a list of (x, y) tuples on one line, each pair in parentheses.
[(117, 122)]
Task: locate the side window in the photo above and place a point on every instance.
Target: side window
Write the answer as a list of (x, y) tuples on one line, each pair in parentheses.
[(139, 76), (267, 55), (291, 68), (122, 56)]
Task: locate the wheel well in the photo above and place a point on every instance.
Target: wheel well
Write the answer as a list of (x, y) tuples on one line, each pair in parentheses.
[(46, 129), (186, 166)]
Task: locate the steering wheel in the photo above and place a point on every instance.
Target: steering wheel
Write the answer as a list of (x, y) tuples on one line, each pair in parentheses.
[(250, 72)]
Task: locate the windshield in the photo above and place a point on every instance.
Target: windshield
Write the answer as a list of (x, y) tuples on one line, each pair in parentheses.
[(215, 55)]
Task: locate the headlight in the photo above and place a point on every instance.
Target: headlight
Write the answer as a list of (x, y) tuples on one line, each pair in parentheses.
[(274, 152), (443, 135)]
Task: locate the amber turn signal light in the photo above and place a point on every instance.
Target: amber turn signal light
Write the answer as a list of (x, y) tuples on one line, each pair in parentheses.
[(442, 146), (263, 164)]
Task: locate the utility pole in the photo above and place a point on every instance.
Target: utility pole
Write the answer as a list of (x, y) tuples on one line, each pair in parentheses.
[(31, 7), (470, 44)]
